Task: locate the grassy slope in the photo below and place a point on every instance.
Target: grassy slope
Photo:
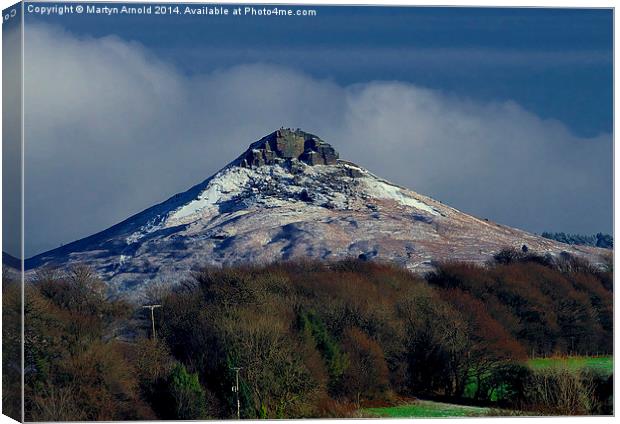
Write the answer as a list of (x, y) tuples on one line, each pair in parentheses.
[(602, 364), (425, 408)]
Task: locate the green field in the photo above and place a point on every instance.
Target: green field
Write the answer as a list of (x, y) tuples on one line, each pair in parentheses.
[(429, 409), (601, 364), (426, 409)]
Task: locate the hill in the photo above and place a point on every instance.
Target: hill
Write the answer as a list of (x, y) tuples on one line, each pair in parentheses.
[(289, 196)]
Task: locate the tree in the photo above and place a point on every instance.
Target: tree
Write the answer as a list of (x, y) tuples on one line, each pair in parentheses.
[(273, 367), (73, 369), (436, 343), (489, 346), (366, 375), (605, 241), (187, 393), (11, 344), (335, 360)]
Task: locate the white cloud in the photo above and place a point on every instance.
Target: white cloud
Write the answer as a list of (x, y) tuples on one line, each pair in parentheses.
[(11, 139), (111, 130)]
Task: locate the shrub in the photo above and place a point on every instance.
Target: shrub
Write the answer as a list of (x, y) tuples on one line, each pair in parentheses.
[(560, 391)]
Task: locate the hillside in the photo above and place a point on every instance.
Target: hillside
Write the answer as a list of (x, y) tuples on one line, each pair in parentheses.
[(290, 196)]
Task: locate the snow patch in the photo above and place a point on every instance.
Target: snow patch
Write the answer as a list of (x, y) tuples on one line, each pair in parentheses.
[(221, 188), (148, 228), (382, 190)]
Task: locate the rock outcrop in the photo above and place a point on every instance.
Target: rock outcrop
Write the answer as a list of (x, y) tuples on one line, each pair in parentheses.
[(286, 144)]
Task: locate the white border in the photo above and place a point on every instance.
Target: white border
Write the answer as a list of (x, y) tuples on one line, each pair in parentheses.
[(479, 3)]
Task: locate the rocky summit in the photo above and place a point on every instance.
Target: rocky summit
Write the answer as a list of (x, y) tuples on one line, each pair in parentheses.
[(289, 196), (286, 145)]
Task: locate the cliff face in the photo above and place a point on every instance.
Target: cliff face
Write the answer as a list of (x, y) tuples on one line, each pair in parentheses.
[(286, 144)]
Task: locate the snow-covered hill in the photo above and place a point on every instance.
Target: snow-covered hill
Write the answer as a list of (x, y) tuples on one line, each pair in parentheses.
[(289, 196)]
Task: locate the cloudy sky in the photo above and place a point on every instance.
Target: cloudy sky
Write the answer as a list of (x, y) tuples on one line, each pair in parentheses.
[(502, 113)]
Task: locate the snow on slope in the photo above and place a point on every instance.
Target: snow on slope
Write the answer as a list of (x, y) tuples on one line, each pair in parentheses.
[(224, 186), (384, 190), (289, 209)]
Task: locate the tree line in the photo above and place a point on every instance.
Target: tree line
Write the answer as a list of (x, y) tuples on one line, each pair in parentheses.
[(312, 339), (604, 241)]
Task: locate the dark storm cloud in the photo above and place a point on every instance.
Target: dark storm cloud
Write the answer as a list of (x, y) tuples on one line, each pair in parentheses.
[(111, 130)]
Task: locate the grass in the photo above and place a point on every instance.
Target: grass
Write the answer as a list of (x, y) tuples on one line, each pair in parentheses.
[(430, 409), (603, 365), (600, 364), (427, 409)]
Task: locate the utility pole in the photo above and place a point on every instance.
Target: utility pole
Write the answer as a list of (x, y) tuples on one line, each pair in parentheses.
[(152, 308), (236, 390)]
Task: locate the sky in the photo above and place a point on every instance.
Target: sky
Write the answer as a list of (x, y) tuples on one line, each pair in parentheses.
[(502, 113)]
